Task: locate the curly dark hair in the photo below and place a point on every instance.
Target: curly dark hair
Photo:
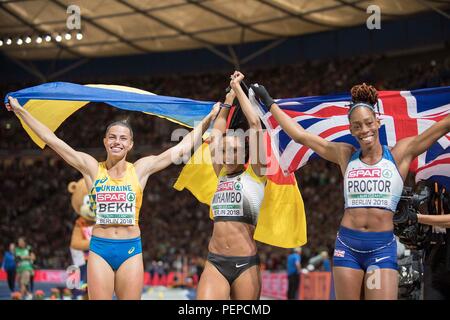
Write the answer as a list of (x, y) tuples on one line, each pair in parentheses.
[(364, 93)]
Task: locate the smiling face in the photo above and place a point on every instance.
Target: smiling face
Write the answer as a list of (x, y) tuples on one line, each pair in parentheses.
[(118, 141), (364, 126)]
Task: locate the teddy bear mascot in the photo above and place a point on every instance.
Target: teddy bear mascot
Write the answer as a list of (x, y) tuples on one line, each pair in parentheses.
[(81, 234)]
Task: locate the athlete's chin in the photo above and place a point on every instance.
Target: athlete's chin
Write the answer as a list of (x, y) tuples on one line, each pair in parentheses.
[(367, 143), (231, 168), (117, 155)]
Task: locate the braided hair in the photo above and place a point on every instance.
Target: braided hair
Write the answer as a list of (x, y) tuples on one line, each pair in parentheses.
[(363, 95)]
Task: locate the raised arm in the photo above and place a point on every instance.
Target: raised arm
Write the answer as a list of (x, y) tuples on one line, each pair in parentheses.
[(146, 166), (336, 152), (407, 149), (219, 129), (83, 162), (256, 139)]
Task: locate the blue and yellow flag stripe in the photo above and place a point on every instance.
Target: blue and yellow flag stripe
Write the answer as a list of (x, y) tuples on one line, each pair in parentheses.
[(52, 103)]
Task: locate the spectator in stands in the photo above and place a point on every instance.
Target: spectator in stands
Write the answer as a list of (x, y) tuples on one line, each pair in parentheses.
[(294, 268), (9, 266), (25, 257), (158, 210)]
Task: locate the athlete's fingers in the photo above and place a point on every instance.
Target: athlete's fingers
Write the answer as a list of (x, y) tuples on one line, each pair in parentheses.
[(13, 103)]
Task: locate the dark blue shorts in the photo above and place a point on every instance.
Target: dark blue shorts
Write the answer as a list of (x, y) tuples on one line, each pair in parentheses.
[(361, 250), (115, 251)]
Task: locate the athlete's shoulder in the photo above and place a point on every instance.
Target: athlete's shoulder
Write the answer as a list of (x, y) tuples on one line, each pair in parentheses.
[(249, 170), (102, 170), (353, 154), (222, 172), (102, 164), (387, 153)]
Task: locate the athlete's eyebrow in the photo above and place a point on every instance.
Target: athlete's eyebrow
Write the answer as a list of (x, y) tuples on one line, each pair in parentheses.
[(363, 120)]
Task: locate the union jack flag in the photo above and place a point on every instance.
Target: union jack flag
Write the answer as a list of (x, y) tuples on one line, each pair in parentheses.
[(339, 253), (402, 114)]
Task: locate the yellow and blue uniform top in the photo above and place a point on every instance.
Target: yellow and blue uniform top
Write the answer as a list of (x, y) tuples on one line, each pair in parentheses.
[(116, 201)]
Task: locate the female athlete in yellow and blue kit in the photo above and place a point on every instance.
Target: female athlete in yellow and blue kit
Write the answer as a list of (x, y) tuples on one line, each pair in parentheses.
[(115, 261)]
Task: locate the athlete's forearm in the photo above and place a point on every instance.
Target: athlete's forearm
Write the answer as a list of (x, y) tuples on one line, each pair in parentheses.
[(36, 126), (220, 124), (434, 220), (194, 138), (247, 109), (292, 128)]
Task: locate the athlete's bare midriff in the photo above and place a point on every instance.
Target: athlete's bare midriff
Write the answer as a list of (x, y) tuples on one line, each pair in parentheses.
[(231, 238), (368, 219), (116, 231)]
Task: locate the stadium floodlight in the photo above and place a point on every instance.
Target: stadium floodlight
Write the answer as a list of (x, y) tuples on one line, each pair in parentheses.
[(28, 40), (39, 40), (8, 41), (58, 38), (1, 43), (79, 36), (19, 41), (67, 36), (48, 38)]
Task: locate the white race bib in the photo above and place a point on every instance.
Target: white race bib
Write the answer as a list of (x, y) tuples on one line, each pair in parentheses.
[(228, 201), (116, 207)]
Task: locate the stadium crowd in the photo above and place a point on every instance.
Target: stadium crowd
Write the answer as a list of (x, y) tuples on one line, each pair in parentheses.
[(35, 202)]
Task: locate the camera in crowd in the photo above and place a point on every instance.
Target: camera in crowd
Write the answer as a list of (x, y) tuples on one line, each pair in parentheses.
[(406, 227), (420, 240)]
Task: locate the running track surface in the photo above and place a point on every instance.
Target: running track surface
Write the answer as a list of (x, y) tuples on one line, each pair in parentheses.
[(149, 293)]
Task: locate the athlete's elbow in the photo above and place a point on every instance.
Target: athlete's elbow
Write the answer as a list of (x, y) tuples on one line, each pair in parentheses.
[(298, 139), (254, 123), (50, 139)]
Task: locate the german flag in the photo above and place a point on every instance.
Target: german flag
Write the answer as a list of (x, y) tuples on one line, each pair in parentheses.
[(282, 220)]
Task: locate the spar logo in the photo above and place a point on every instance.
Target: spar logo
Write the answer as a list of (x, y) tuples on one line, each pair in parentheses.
[(131, 196), (238, 186), (225, 186), (111, 197), (387, 173), (365, 173)]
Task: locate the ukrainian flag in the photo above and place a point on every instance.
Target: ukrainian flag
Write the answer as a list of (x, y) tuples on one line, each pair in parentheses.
[(52, 103), (282, 219)]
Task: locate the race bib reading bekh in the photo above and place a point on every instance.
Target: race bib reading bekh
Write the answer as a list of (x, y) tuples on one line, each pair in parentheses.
[(116, 205), (228, 199)]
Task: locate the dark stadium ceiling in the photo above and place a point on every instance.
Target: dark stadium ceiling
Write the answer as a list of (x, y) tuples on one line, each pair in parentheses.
[(125, 27)]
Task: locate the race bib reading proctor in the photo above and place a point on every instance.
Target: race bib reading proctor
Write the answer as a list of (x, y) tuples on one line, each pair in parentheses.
[(369, 188), (228, 200), (116, 206)]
